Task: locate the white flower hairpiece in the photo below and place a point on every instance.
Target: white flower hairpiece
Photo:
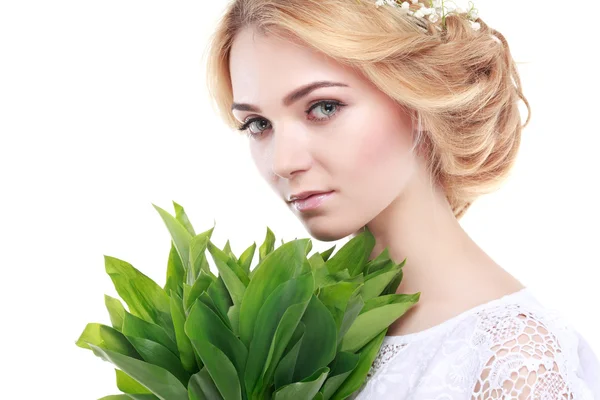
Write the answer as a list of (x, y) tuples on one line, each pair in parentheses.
[(435, 10)]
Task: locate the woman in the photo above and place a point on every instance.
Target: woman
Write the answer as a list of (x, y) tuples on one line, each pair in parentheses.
[(397, 118)]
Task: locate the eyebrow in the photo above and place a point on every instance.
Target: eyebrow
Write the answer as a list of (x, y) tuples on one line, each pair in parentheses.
[(292, 97)]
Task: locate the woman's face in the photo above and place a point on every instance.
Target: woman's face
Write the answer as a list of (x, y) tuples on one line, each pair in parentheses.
[(345, 137)]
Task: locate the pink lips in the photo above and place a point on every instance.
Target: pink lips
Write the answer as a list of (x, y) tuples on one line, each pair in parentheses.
[(311, 202)]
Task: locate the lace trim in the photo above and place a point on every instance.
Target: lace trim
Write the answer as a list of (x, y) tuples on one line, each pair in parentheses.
[(525, 358), (520, 355), (386, 353), (393, 344)]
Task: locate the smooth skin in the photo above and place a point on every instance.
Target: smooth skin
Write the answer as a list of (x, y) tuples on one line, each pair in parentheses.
[(355, 140)]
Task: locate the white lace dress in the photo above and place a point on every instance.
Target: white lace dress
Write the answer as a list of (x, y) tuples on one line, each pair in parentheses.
[(509, 348)]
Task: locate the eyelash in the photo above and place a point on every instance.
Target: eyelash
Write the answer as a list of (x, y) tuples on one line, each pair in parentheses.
[(337, 104)]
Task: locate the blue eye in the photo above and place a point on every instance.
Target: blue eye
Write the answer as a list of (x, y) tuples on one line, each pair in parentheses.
[(327, 108), (260, 124), (256, 126)]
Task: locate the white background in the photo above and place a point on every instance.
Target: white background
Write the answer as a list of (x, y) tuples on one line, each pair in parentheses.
[(103, 111)]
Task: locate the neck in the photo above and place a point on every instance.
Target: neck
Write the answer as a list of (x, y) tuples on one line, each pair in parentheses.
[(441, 259)]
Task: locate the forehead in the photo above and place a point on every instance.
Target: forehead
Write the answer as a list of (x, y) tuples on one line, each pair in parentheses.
[(262, 65)]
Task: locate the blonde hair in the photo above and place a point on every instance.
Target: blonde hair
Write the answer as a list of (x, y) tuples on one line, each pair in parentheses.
[(462, 84)]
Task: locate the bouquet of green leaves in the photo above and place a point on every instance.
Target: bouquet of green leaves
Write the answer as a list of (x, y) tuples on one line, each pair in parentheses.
[(292, 328)]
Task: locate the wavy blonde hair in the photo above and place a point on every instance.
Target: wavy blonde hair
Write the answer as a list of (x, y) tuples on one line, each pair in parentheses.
[(462, 84)]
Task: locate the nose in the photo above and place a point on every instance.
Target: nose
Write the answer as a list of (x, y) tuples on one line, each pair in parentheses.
[(290, 152)]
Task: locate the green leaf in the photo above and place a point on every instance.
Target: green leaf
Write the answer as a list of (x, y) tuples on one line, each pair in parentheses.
[(137, 327), (305, 389), (285, 330), (191, 293), (179, 234), (156, 379), (324, 278), (175, 272), (381, 260), (202, 387), (233, 275), (278, 266), (305, 268), (197, 259), (182, 217), (186, 351), (320, 339), (392, 287), (308, 247), (106, 337), (116, 397), (157, 354), (341, 368), (327, 253), (142, 295), (267, 246), (358, 376), (369, 323), (248, 335), (246, 258), (316, 261), (221, 369), (353, 255), (220, 296), (209, 302), (336, 297), (275, 324), (389, 299), (376, 282), (373, 268), (233, 265), (353, 309), (116, 311), (284, 373), (215, 343), (387, 264), (233, 315), (127, 384), (198, 359), (195, 391), (227, 250)]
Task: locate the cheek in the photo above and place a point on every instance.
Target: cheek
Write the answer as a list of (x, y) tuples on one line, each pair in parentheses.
[(383, 150), (260, 160)]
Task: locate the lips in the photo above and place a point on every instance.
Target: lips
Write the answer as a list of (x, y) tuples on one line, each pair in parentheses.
[(312, 201), (304, 195)]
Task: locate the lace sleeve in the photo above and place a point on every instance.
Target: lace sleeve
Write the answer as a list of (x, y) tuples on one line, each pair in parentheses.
[(525, 361)]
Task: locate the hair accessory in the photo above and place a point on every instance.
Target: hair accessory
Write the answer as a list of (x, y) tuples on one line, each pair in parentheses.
[(434, 10)]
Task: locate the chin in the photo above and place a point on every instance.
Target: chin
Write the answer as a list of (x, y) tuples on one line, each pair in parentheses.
[(325, 230)]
